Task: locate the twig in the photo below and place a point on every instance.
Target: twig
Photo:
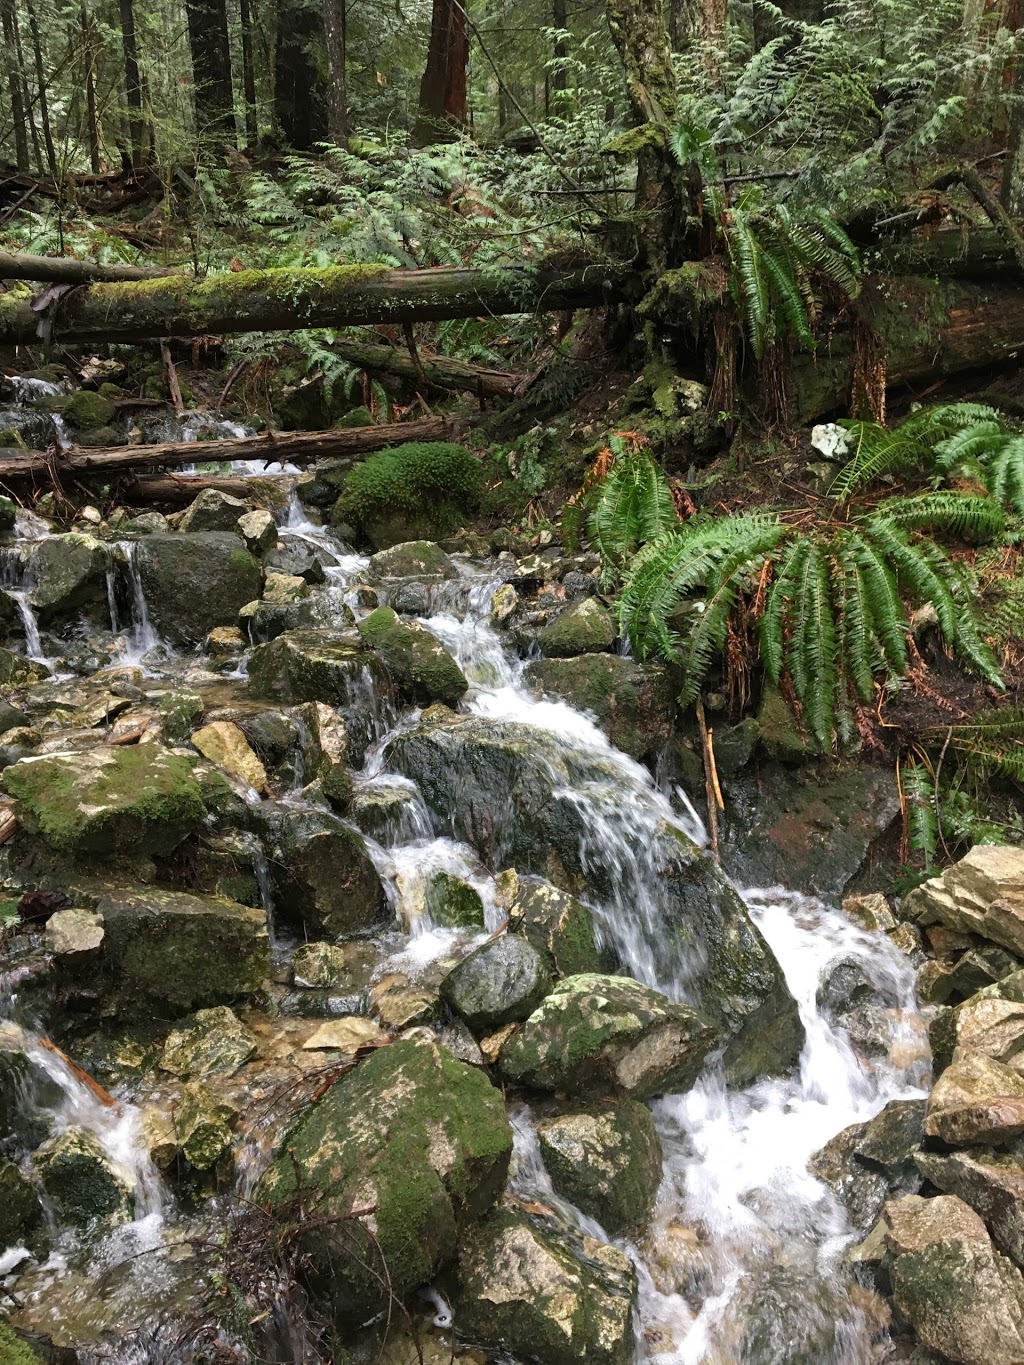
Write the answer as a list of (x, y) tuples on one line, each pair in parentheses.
[(937, 799), (104, 1096), (174, 388), (712, 790)]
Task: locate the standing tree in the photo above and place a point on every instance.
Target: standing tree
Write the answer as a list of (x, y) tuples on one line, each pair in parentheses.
[(139, 130), (211, 69), (442, 108), (248, 74), (298, 89), (336, 39), (15, 82)]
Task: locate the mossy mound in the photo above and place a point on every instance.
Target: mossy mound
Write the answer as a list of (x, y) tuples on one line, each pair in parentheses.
[(419, 490), (15, 1351), (82, 1182), (417, 1137)]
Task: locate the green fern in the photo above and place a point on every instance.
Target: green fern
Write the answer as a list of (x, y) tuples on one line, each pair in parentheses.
[(631, 506), (921, 816)]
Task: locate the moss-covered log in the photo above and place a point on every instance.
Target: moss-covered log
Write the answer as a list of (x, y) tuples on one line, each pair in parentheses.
[(974, 254), (430, 370), (284, 300), (18, 265), (926, 329), (293, 447)]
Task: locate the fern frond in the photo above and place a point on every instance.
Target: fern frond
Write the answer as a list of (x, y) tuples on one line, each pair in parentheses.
[(888, 620), (856, 643), (1004, 476), (781, 594), (814, 637), (944, 510), (749, 279), (632, 505), (919, 803), (786, 296)]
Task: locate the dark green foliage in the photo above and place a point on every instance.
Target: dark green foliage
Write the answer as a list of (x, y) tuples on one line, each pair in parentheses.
[(631, 505), (435, 478)]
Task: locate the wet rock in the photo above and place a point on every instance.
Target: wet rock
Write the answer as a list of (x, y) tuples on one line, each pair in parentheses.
[(327, 746), (606, 1160), (212, 510), (180, 950), (976, 1100), (70, 933), (992, 1183), (981, 894), (215, 1041), (557, 924), (608, 1035), (509, 791), (414, 1134), (850, 1000), (778, 732), (422, 669), (82, 1182), (265, 619), (69, 576), (989, 1026), (259, 531), (104, 801), (180, 713), (871, 912), (413, 559), (18, 671), (871, 1162), (202, 1125), (195, 582), (452, 903), (498, 983), (225, 645), (322, 874), (810, 830), (586, 628), (224, 744), (503, 604), (633, 703), (541, 1292), (21, 1213), (962, 1298), (319, 965), (297, 557), (87, 409), (346, 1035)]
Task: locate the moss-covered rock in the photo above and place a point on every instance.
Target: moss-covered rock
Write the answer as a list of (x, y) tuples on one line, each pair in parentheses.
[(202, 1125), (20, 1210), (180, 713), (69, 578), (167, 948), (212, 510), (421, 667), (556, 923), (452, 902), (422, 489), (224, 744), (318, 965), (608, 1035), (214, 1041), (106, 801), (586, 628), (414, 1135), (498, 983), (606, 1160), (542, 1292), (633, 703), (15, 1351), (82, 1182), (87, 410), (195, 582), (18, 671), (422, 560)]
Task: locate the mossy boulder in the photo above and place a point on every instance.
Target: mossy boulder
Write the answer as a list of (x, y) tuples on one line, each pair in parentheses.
[(422, 560), (212, 510), (608, 1035), (421, 667), (195, 582), (213, 1042), (633, 703), (421, 489), (317, 965), (322, 874), (21, 1213), (170, 950), (414, 1135), (203, 1125), (558, 925), (586, 628), (497, 984), (69, 578), (605, 1159), (180, 714), (18, 671), (87, 410), (452, 903), (82, 1182), (543, 1292), (106, 801), (962, 1297)]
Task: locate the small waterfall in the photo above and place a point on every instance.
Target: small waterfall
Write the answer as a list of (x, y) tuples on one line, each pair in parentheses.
[(139, 635), (16, 580)]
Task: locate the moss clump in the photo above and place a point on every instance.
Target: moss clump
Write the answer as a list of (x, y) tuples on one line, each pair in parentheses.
[(422, 668), (423, 489), (14, 1351), (88, 411)]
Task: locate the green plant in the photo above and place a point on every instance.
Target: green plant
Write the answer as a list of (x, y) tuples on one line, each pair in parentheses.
[(631, 505), (432, 479)]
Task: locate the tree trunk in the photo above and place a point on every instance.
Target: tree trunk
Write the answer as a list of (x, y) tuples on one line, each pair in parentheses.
[(291, 447), (336, 40), (298, 90), (252, 132), (1012, 189), (211, 70), (65, 270), (442, 109), (285, 300), (89, 61), (433, 371), (44, 98), (560, 20), (15, 84), (138, 132)]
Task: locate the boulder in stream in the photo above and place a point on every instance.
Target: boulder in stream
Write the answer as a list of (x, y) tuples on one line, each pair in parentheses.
[(992, 1183), (605, 1159), (540, 1291), (195, 582), (259, 531), (21, 1212), (224, 744), (82, 1182), (214, 1041), (69, 578), (212, 510), (497, 984), (588, 627), (422, 669), (422, 560), (608, 1035), (105, 801), (558, 925), (981, 894), (633, 703), (410, 1147), (976, 1100)]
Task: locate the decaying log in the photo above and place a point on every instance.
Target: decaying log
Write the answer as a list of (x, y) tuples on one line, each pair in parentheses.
[(436, 371), (286, 300), (66, 270), (292, 447), (179, 492)]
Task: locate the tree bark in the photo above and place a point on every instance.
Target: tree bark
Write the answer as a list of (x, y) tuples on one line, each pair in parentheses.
[(65, 270), (298, 90), (138, 131), (336, 41), (442, 108), (292, 447), (44, 98), (179, 492), (252, 132), (211, 70), (285, 300), (15, 84), (92, 118), (435, 371), (560, 20)]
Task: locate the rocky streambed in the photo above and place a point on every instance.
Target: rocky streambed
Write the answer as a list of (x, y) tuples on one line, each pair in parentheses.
[(364, 995)]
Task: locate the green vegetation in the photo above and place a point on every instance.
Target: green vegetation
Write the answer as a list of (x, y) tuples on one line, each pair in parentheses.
[(430, 485)]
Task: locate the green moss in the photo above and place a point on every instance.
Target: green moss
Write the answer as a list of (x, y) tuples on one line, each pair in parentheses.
[(15, 1351), (434, 485), (635, 140), (421, 667)]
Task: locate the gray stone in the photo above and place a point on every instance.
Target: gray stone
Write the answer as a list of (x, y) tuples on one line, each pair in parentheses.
[(501, 982), (606, 1160), (195, 582), (212, 510), (633, 703)]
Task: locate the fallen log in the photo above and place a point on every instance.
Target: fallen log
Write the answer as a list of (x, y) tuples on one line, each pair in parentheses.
[(66, 270), (179, 492), (291, 447), (286, 300), (926, 330), (438, 371)]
